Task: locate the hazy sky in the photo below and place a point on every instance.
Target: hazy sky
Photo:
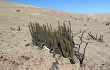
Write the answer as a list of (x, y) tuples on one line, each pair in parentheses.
[(79, 6)]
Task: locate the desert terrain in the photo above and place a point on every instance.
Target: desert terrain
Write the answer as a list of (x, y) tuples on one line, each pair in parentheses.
[(18, 53)]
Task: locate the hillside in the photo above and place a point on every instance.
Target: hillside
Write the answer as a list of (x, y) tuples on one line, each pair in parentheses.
[(18, 53)]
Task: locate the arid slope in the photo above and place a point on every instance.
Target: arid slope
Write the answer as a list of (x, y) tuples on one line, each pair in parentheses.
[(18, 53)]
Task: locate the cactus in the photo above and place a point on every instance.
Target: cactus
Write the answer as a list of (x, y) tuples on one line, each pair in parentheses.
[(60, 41), (60, 38)]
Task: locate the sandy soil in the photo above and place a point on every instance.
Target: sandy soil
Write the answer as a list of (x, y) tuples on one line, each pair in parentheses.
[(18, 53)]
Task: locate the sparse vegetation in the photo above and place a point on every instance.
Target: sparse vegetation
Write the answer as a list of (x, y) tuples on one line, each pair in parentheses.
[(19, 29), (99, 39), (13, 29), (25, 57), (107, 23)]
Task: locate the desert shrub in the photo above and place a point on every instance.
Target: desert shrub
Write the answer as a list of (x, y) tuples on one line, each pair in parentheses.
[(17, 10), (59, 41)]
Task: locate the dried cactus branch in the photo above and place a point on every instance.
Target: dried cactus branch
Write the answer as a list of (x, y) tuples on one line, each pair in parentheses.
[(100, 39)]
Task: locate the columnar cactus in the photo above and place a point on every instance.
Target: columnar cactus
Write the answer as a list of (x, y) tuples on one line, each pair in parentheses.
[(60, 41)]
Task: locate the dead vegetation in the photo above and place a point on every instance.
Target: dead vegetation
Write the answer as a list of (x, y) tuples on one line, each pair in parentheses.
[(15, 29), (99, 39)]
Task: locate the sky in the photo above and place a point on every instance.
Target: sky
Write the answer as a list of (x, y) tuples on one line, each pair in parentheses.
[(78, 6)]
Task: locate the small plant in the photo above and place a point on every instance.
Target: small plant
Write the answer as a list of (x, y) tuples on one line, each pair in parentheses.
[(19, 29), (13, 29), (17, 10), (107, 23), (25, 57), (99, 39)]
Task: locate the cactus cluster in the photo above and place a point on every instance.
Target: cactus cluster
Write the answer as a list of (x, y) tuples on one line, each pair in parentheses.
[(59, 41)]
